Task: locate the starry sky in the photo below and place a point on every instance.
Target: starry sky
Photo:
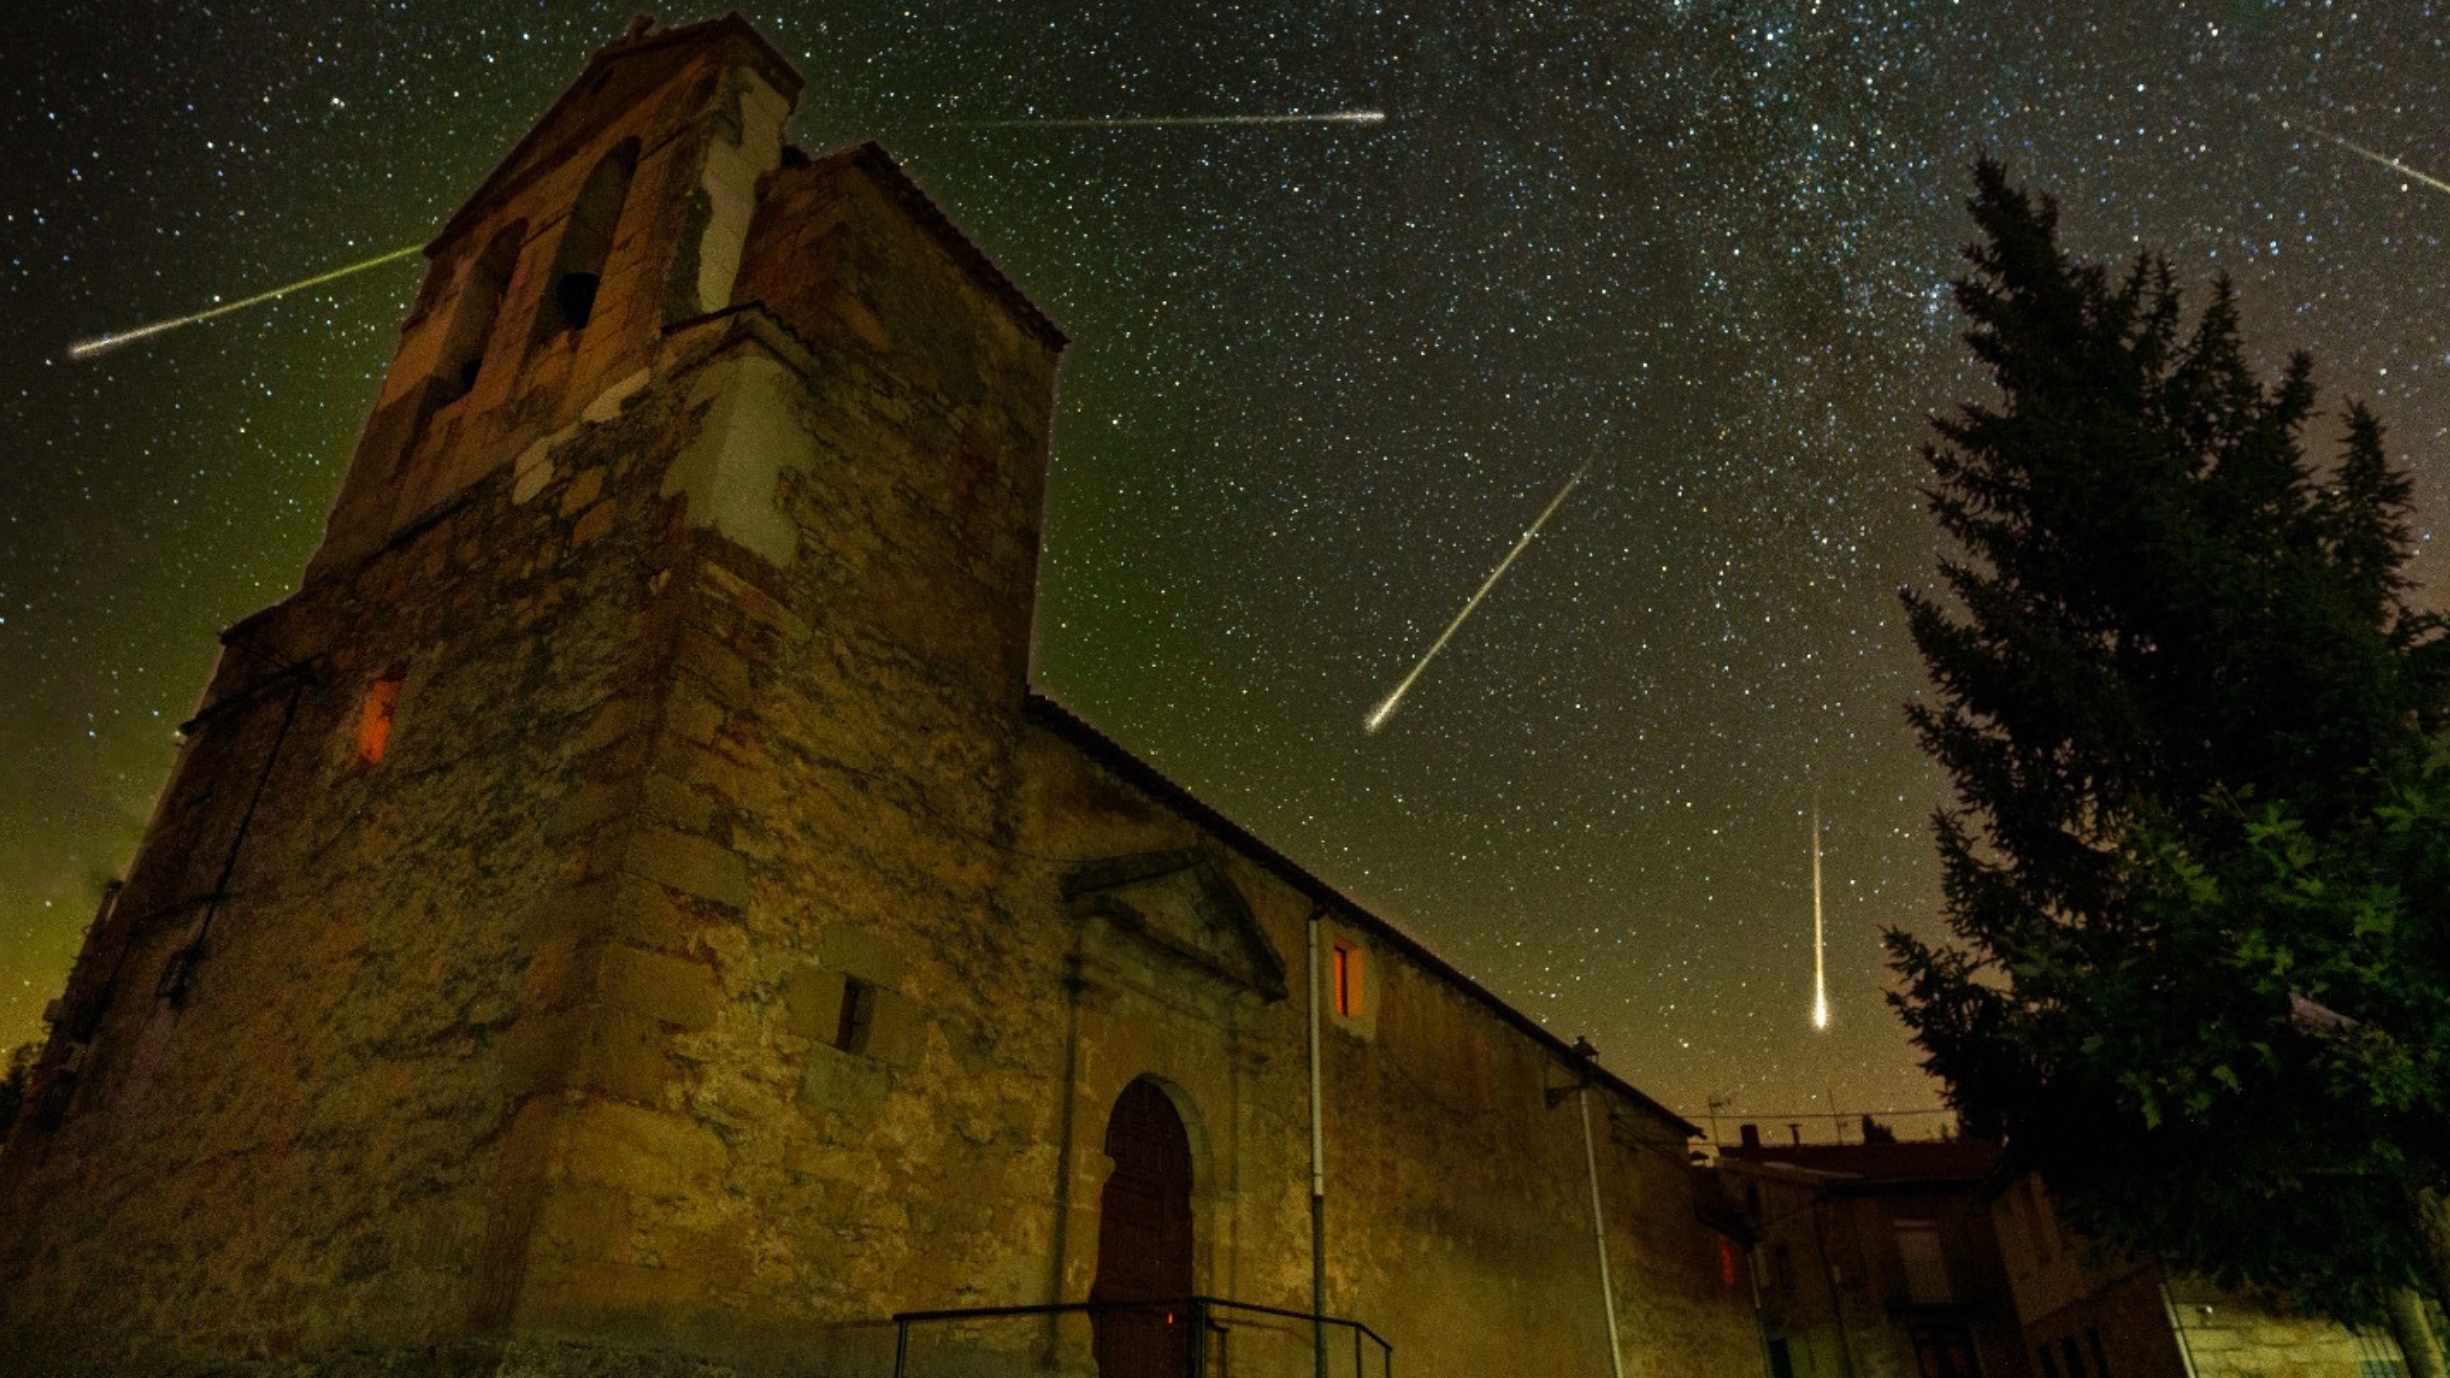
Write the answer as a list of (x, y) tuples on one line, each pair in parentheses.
[(1324, 376)]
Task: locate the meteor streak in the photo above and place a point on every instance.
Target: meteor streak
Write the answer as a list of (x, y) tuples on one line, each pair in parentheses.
[(1820, 944), (1386, 708), (2383, 158), (103, 344), (1160, 121)]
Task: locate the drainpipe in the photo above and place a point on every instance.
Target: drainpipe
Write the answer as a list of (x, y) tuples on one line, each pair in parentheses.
[(1599, 1228), (1318, 1172)]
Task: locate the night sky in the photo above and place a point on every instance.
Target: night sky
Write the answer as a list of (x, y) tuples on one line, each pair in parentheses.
[(1323, 377)]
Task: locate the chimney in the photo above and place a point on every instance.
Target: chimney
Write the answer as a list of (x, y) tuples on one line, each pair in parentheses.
[(1752, 1136)]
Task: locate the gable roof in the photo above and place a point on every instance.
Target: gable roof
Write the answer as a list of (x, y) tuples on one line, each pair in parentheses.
[(1051, 713), (1181, 902)]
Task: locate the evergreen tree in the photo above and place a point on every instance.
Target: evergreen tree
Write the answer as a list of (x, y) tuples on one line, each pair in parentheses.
[(2198, 870)]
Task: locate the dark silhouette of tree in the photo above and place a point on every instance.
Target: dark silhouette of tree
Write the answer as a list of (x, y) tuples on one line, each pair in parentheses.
[(2198, 869)]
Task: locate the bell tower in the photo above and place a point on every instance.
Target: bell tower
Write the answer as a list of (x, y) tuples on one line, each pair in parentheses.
[(456, 1011), (625, 210)]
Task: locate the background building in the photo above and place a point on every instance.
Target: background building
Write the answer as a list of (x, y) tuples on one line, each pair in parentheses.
[(1876, 1259), (1934, 1260)]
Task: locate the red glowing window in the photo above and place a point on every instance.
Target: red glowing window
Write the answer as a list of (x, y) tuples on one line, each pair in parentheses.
[(1347, 979), (374, 719)]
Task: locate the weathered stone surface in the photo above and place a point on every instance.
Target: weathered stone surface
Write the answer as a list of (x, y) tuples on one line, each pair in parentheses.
[(691, 865), (514, 1051), (673, 990)]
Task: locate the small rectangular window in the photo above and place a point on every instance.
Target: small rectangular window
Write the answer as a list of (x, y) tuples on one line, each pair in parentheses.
[(858, 1015), (374, 719), (1347, 978)]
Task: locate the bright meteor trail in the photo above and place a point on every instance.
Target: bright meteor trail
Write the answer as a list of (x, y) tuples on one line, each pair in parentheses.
[(2383, 158), (103, 344), (1386, 708), (1158, 121), (1820, 942)]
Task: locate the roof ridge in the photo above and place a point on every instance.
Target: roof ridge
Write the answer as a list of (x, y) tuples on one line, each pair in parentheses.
[(1053, 712)]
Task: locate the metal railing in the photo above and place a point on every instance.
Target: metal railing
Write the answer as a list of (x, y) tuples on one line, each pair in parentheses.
[(1210, 1324)]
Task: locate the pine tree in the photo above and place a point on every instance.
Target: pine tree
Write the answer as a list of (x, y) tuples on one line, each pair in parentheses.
[(2198, 870)]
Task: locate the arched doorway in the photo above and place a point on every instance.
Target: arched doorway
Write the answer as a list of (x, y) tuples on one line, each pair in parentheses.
[(1144, 1239)]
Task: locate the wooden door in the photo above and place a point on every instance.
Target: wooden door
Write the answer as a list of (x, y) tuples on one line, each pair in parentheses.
[(1144, 1240)]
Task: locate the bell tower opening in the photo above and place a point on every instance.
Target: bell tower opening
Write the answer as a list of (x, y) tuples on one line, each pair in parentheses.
[(1144, 1240), (472, 318), (586, 243)]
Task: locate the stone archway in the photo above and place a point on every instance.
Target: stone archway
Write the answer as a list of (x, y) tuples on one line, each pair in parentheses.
[(1144, 1239)]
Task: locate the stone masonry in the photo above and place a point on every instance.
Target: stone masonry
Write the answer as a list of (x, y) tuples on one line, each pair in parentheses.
[(628, 912)]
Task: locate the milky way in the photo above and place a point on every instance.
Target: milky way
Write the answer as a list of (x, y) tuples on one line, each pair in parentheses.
[(1314, 365)]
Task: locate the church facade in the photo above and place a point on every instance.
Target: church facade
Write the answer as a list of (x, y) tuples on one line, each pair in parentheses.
[(629, 912)]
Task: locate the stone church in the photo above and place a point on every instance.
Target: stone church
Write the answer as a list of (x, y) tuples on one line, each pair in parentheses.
[(628, 910)]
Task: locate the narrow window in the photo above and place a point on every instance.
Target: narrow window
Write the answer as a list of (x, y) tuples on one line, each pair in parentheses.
[(2050, 1366), (374, 719), (858, 1015), (2101, 1358), (1347, 978), (472, 317), (2073, 1355), (586, 243)]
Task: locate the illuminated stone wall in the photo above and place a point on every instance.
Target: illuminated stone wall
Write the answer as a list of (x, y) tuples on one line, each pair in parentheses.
[(727, 950)]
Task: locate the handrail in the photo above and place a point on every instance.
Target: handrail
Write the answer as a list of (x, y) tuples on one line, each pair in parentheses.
[(1198, 1305)]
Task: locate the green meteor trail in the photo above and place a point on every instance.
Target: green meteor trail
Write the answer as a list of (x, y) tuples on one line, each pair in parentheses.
[(103, 344), (1386, 707)]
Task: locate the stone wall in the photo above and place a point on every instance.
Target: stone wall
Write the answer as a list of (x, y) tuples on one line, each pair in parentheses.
[(300, 1149), (2227, 1336)]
